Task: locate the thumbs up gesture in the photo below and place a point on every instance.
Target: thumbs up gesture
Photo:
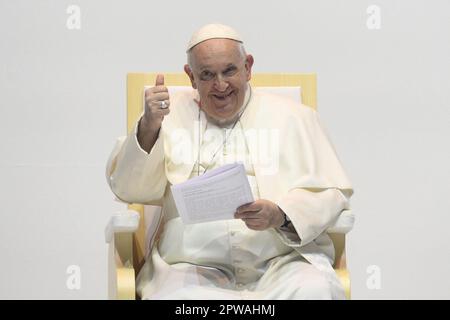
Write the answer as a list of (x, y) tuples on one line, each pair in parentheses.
[(156, 104)]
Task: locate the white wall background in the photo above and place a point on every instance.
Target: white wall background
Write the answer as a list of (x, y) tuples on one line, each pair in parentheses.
[(383, 94)]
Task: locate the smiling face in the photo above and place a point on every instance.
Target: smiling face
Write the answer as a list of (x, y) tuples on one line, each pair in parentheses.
[(219, 69)]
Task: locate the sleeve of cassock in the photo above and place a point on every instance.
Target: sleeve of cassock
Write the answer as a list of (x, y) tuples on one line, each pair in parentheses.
[(311, 213), (134, 175), (319, 190)]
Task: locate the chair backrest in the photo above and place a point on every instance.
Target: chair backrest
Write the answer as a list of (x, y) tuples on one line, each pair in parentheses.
[(137, 81)]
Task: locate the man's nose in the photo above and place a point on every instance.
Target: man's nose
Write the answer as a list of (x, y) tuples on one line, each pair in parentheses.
[(221, 83)]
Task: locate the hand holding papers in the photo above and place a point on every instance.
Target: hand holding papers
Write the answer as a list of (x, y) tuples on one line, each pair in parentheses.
[(214, 195)]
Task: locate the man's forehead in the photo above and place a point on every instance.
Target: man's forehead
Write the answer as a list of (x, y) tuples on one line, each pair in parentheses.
[(217, 65), (216, 53)]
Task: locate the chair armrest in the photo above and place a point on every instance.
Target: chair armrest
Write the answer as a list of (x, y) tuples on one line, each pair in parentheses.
[(121, 222), (344, 223), (119, 236)]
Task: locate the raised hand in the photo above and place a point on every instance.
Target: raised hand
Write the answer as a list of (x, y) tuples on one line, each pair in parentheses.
[(157, 104)]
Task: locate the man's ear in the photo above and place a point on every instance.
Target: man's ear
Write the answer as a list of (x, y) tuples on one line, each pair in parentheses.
[(188, 71), (248, 66)]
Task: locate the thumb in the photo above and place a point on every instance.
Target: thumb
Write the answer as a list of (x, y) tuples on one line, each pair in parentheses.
[(159, 80)]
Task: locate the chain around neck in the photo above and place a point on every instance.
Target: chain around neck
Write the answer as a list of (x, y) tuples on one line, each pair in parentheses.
[(226, 137)]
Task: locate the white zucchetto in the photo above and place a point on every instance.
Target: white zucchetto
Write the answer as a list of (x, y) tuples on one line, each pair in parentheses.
[(213, 31)]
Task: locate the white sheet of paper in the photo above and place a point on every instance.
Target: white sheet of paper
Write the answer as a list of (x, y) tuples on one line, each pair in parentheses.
[(214, 195)]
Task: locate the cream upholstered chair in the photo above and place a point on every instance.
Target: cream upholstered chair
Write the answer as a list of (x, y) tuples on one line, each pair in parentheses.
[(130, 233)]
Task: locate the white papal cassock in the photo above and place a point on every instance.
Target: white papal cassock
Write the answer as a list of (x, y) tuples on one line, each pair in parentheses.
[(289, 160)]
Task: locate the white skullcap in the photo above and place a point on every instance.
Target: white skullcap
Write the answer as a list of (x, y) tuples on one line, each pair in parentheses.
[(213, 31)]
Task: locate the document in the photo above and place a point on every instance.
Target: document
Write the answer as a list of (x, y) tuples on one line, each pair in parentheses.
[(214, 195)]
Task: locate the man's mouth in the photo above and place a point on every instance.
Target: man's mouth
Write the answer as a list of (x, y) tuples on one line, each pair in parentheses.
[(221, 96)]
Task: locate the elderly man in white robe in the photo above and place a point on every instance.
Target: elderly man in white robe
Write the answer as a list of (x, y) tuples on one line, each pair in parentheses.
[(277, 246)]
